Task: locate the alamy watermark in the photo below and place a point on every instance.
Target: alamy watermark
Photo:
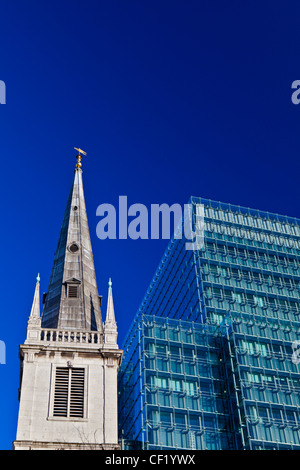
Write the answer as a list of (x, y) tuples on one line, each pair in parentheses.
[(2, 353), (296, 352), (187, 223), (2, 92)]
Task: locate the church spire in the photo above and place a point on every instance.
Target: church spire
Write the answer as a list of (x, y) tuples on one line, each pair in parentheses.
[(69, 367), (72, 300)]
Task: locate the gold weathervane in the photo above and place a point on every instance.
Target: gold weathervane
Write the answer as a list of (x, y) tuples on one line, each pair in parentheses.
[(79, 157)]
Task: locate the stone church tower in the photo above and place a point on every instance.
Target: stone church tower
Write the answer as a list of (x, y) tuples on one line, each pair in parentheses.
[(70, 359)]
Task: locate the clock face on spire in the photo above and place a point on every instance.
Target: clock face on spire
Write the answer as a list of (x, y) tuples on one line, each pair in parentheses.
[(73, 248)]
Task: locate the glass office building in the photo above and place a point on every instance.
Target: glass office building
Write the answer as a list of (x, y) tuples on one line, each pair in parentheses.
[(211, 358)]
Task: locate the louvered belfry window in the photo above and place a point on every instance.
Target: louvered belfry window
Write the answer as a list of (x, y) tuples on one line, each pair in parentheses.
[(72, 291), (69, 393)]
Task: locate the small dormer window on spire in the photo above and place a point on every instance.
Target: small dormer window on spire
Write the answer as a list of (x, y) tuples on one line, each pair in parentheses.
[(72, 288), (72, 291)]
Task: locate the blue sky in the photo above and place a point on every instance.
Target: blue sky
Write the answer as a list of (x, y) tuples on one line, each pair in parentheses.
[(168, 98)]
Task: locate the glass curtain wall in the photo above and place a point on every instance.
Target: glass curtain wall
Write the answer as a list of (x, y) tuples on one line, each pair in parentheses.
[(240, 292)]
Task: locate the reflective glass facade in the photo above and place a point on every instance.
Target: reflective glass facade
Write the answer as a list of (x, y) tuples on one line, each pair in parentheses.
[(210, 361)]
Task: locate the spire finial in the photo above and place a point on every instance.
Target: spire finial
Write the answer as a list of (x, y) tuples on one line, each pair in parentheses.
[(38, 278), (109, 283), (79, 157)]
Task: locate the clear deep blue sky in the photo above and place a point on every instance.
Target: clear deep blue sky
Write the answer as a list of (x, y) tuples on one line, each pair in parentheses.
[(168, 98)]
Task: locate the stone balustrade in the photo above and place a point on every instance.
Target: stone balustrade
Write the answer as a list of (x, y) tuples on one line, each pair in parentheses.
[(71, 336)]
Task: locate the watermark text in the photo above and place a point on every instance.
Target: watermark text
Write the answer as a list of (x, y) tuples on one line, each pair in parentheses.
[(2, 352), (137, 222), (296, 352), (2, 92)]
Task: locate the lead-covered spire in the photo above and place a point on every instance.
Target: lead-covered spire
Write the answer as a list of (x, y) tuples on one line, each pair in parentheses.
[(72, 300)]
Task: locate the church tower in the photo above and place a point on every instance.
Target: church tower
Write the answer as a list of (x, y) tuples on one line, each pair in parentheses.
[(70, 359)]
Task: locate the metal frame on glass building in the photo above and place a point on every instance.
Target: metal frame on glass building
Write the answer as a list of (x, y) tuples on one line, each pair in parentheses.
[(211, 360)]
